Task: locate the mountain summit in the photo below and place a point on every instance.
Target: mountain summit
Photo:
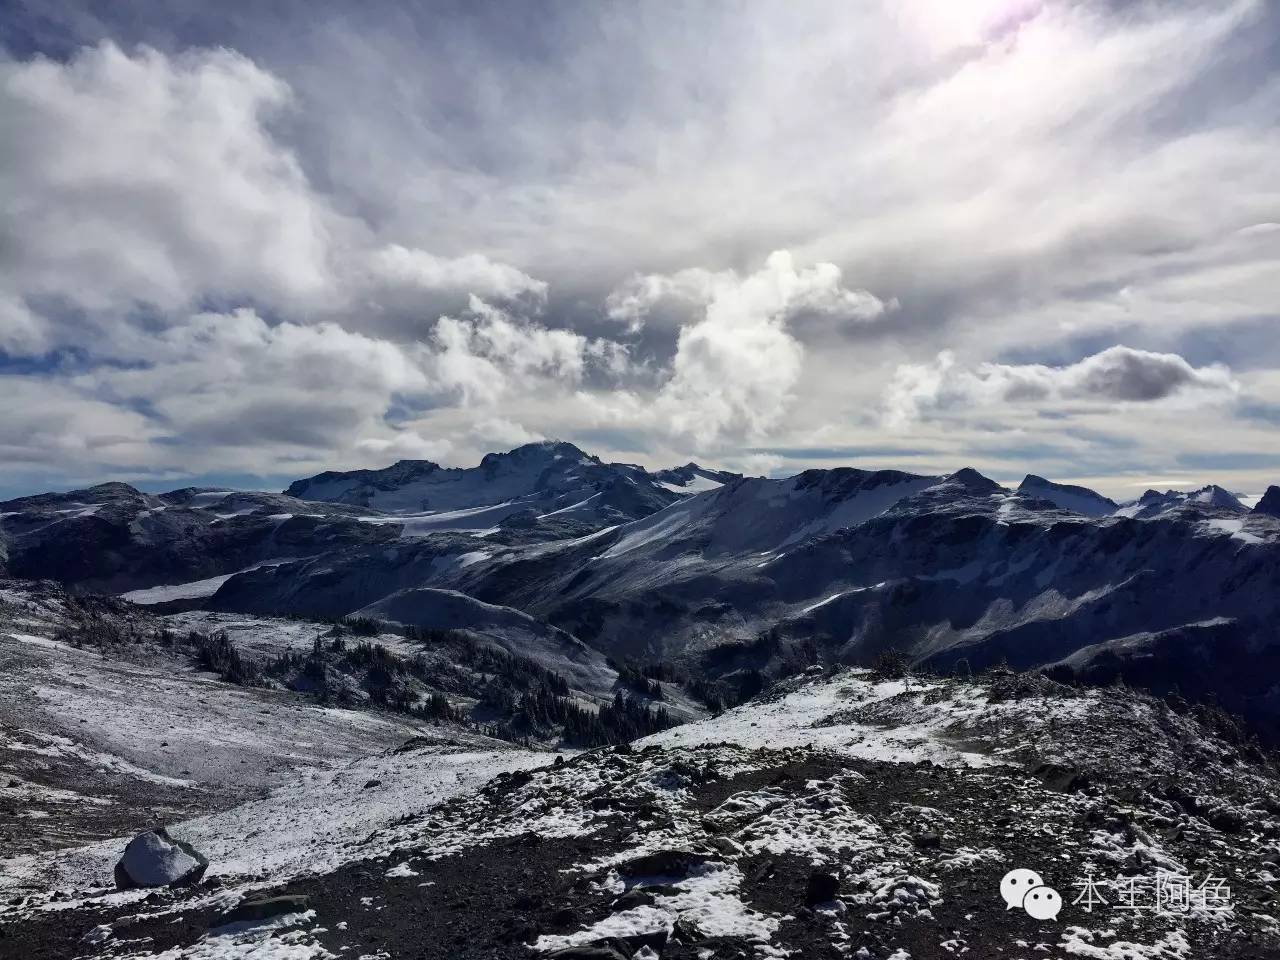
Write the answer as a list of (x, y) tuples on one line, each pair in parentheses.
[(1067, 496), (548, 477)]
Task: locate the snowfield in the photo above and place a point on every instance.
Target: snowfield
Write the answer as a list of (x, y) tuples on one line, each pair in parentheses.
[(818, 716)]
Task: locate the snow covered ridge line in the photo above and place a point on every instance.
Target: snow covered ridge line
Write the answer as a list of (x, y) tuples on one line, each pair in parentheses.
[(725, 847), (549, 477)]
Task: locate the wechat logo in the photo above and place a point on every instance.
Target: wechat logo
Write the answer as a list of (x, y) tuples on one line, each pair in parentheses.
[(1026, 889)]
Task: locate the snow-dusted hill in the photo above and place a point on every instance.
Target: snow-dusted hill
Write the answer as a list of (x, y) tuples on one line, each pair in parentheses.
[(947, 571), (507, 629), (842, 815), (112, 717)]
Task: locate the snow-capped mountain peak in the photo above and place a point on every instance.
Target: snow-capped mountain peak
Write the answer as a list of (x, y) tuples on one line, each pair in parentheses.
[(692, 478), (547, 477), (1067, 496), (1154, 503)]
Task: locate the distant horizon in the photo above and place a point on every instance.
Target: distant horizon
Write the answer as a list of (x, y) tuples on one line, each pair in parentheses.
[(1129, 491)]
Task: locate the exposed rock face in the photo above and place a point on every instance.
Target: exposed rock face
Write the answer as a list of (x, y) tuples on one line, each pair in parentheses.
[(155, 859), (255, 909), (1270, 502), (821, 888)]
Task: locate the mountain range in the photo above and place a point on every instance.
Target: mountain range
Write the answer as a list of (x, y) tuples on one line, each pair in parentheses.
[(726, 579)]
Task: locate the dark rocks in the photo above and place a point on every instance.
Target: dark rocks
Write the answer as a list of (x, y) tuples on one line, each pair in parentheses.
[(594, 952), (1187, 801), (1226, 819), (1061, 777), (257, 909), (822, 888), (1270, 502), (927, 839), (656, 940), (664, 863), (632, 899), (155, 859), (526, 901), (564, 917)]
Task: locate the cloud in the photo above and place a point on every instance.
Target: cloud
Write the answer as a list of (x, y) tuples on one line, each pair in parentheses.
[(474, 273), (489, 354), (226, 386), (735, 368), (150, 178), (816, 289), (159, 183), (1118, 374), (64, 428), (1038, 179)]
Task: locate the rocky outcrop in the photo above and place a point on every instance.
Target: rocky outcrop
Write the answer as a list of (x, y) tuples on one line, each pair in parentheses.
[(1270, 502)]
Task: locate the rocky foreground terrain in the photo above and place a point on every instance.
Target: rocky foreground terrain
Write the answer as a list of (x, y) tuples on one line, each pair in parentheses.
[(841, 815)]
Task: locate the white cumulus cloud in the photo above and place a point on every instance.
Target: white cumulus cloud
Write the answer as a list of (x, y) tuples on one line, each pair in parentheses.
[(735, 368)]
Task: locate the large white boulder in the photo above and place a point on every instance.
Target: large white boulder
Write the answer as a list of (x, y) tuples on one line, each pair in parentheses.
[(155, 859)]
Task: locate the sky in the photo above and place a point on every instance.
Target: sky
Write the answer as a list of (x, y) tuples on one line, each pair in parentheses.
[(241, 243)]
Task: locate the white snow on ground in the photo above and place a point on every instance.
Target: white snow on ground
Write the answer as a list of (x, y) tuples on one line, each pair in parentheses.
[(35, 640), (572, 507), (312, 825), (189, 728), (90, 719), (1081, 942), (793, 721), (843, 593), (1235, 529), (709, 899), (697, 484), (285, 937), (657, 527), (207, 498), (192, 590), (422, 524), (758, 515), (822, 603), (267, 637)]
